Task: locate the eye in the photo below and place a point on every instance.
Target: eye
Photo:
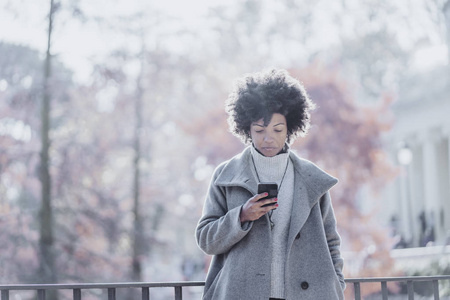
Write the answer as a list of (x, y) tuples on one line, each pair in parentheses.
[(278, 130), (259, 131)]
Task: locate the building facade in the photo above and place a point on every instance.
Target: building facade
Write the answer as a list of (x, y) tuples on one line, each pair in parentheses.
[(418, 202)]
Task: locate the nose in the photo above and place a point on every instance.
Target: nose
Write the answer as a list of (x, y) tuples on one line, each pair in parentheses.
[(268, 138)]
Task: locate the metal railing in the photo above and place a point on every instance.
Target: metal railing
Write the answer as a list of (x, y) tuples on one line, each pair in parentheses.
[(111, 288), (434, 280)]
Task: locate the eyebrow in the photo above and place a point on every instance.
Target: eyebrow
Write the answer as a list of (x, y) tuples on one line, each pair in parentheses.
[(255, 124)]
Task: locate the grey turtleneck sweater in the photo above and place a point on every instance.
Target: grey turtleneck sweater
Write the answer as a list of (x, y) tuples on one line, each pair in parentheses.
[(272, 169)]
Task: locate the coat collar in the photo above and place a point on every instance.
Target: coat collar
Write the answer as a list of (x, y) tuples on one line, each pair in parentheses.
[(238, 172)]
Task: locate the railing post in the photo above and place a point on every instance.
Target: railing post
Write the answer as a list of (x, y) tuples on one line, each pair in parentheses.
[(436, 289), (384, 291), (111, 294), (41, 294), (5, 294), (76, 294), (178, 293), (410, 286), (145, 293), (357, 287)]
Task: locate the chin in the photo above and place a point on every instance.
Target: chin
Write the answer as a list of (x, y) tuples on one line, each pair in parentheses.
[(270, 152)]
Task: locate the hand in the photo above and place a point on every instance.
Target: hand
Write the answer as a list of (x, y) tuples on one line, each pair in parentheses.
[(253, 209)]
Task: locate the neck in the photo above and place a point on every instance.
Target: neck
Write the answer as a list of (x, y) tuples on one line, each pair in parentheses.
[(269, 168)]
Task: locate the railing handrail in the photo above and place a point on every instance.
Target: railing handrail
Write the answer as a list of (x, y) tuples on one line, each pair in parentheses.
[(399, 278), (178, 286), (70, 286)]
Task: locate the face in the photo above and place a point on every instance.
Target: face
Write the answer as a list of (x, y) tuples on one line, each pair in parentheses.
[(270, 139)]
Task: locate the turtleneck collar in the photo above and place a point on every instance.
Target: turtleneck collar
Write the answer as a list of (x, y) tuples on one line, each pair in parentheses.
[(270, 168), (285, 149)]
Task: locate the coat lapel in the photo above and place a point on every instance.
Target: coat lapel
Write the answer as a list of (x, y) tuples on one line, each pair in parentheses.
[(300, 209), (311, 183)]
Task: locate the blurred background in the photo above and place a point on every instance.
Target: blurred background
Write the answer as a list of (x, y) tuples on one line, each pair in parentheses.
[(112, 121)]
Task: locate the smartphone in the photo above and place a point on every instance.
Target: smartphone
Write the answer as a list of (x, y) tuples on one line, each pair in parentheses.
[(268, 187)]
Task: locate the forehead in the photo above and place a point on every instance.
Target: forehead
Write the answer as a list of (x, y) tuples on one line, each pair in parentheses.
[(276, 119)]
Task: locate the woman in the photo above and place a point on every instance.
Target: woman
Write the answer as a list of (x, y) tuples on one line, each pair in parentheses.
[(288, 249)]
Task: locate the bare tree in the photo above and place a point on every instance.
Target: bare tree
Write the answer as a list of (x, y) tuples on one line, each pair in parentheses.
[(47, 270), (446, 12), (137, 226)]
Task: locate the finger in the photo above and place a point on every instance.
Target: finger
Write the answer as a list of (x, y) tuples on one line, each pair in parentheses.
[(258, 197), (268, 201)]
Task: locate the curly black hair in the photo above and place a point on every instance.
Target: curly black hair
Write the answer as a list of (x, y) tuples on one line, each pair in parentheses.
[(259, 95)]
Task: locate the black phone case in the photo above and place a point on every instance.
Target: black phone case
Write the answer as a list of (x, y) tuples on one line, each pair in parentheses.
[(268, 187)]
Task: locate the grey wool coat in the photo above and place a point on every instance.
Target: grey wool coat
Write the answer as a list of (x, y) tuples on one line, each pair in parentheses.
[(241, 263)]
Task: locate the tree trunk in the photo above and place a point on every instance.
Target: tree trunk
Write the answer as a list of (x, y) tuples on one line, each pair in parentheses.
[(446, 12), (138, 234), (47, 272)]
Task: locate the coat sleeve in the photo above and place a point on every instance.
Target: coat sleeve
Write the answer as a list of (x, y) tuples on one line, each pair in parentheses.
[(219, 229), (332, 235)]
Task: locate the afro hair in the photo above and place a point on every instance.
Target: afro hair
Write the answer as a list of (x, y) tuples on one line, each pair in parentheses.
[(259, 95)]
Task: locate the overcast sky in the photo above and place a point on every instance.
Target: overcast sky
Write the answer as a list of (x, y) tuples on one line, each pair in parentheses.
[(24, 22)]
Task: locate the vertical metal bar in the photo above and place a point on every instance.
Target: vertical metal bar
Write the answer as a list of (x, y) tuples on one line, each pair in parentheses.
[(76, 294), (111, 294), (384, 290), (178, 293), (5, 294), (436, 289), (410, 290), (41, 294), (357, 287), (145, 293)]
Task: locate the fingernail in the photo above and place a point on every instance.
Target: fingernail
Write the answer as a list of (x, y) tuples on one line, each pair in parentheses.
[(276, 199)]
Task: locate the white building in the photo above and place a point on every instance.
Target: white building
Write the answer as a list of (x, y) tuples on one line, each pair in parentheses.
[(418, 202)]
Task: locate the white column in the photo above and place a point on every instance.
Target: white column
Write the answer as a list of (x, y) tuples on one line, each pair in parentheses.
[(415, 189), (442, 169), (446, 197), (405, 205), (431, 180)]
